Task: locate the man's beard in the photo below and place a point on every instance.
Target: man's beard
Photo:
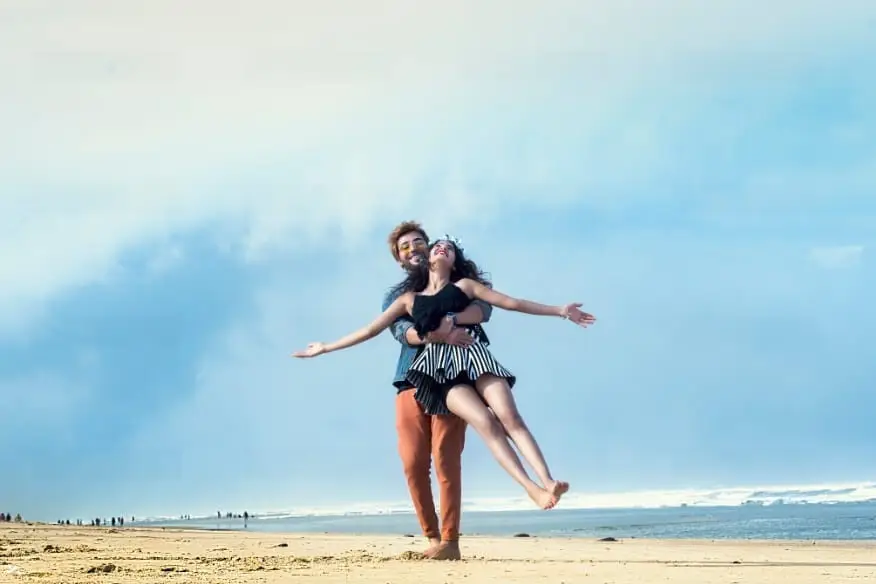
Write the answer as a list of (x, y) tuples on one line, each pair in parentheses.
[(417, 275), (415, 267)]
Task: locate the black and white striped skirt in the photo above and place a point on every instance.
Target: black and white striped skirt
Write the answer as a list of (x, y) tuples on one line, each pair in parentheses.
[(439, 367)]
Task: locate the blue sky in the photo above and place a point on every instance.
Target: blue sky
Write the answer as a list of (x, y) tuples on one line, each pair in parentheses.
[(176, 218)]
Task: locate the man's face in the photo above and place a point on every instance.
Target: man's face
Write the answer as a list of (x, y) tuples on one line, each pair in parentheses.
[(412, 249)]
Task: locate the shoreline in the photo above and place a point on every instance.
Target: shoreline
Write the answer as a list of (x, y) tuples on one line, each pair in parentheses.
[(479, 536), (585, 537), (71, 554), (82, 530), (867, 506)]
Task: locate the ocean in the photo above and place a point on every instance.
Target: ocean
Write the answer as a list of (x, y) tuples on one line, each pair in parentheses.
[(818, 521)]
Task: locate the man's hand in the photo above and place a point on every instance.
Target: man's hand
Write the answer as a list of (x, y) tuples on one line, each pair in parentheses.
[(439, 335), (449, 334), (459, 337)]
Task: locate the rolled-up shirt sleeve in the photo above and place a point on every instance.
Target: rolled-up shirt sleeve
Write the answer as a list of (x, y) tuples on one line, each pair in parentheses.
[(400, 327), (486, 309)]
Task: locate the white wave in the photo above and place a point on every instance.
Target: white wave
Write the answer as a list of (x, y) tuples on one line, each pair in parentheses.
[(832, 493), (733, 496)]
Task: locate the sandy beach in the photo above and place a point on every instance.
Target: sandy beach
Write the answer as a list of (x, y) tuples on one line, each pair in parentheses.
[(43, 553)]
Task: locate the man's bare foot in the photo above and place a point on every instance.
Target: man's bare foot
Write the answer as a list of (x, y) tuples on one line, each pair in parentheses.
[(434, 542), (557, 488), (446, 550), (542, 497)]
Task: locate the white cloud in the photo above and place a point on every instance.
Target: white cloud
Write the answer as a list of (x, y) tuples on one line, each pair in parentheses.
[(283, 120), (837, 256)]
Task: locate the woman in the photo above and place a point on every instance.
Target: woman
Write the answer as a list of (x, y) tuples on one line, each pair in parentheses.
[(466, 380)]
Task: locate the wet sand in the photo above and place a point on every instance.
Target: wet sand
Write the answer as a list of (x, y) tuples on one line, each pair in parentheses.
[(47, 554)]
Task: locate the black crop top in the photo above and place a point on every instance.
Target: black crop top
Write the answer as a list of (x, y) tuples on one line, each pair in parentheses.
[(428, 311)]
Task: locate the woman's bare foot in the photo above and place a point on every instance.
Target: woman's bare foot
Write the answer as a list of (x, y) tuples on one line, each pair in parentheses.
[(557, 488), (542, 497)]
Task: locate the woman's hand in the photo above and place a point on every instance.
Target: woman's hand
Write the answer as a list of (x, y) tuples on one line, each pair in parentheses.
[(312, 350), (572, 312)]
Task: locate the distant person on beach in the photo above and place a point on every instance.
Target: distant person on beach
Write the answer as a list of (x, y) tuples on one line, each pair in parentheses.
[(467, 381)]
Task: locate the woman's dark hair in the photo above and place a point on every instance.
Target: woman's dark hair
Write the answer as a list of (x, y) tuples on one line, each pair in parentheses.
[(418, 275)]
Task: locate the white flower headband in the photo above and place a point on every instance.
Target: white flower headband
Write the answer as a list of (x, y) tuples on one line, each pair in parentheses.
[(454, 240)]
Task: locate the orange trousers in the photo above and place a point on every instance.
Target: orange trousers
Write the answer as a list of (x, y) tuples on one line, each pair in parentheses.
[(421, 439)]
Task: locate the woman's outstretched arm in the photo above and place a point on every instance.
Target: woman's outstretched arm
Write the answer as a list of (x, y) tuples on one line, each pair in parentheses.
[(570, 311), (398, 308)]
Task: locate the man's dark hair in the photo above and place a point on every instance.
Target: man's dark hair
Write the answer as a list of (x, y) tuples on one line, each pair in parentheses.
[(401, 229)]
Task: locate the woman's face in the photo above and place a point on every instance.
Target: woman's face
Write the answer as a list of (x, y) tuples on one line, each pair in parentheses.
[(443, 252)]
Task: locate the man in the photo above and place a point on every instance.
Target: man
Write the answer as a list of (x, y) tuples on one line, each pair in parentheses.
[(423, 437)]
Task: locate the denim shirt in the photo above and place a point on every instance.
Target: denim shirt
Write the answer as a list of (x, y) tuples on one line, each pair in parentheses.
[(409, 352)]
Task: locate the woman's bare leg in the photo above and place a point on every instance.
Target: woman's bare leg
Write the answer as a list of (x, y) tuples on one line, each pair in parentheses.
[(499, 397), (464, 401)]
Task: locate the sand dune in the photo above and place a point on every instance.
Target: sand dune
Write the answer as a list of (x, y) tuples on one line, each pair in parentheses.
[(41, 553)]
